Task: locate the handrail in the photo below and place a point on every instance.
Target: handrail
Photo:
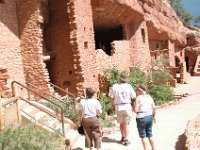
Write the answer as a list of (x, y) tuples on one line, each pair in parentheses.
[(47, 93), (67, 92), (62, 112), (40, 109), (9, 101)]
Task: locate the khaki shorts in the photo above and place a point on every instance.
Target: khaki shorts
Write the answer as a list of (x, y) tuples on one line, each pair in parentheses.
[(124, 116)]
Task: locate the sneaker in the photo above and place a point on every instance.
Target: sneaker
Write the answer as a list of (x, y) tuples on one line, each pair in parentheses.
[(126, 142)]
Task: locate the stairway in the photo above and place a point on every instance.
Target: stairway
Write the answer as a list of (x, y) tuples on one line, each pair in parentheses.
[(43, 117), (197, 67)]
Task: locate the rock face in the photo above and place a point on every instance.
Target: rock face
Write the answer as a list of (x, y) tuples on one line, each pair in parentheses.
[(71, 42)]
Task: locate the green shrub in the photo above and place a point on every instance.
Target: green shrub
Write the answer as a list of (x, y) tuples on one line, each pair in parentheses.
[(112, 75), (29, 137), (137, 77), (68, 107), (160, 76), (161, 93), (106, 103), (106, 123)]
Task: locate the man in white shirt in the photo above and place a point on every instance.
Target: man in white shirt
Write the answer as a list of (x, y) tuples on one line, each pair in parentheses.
[(121, 94)]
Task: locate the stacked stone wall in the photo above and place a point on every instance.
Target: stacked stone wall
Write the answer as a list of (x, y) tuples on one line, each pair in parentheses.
[(4, 89), (139, 44), (10, 52), (31, 21), (82, 37)]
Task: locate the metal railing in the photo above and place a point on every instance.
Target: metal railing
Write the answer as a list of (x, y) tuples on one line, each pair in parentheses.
[(29, 74), (42, 96), (9, 113)]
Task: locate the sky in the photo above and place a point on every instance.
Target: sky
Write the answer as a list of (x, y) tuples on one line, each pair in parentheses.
[(193, 6)]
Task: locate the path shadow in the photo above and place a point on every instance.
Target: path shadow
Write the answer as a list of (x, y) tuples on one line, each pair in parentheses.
[(109, 140), (77, 148), (180, 144)]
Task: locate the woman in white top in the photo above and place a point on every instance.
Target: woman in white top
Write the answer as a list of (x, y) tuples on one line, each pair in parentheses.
[(89, 109), (145, 109)]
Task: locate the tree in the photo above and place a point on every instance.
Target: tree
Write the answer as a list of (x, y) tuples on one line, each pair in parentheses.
[(197, 19), (181, 11)]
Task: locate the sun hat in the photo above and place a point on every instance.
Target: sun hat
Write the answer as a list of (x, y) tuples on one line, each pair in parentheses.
[(123, 77)]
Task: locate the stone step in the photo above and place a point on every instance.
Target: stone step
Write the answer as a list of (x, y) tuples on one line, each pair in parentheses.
[(46, 121)]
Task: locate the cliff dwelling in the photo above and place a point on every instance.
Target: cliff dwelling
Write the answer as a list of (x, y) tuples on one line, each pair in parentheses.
[(70, 42)]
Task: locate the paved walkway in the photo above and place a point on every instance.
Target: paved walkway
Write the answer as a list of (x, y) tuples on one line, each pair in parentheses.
[(169, 128)]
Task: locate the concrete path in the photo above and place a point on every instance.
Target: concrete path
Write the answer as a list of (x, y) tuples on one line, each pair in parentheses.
[(170, 126)]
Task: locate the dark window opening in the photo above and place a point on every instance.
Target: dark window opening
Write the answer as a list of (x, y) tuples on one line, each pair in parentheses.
[(177, 61), (157, 46), (187, 63), (143, 34), (104, 38)]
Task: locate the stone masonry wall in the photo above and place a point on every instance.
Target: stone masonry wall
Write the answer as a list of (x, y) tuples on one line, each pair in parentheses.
[(61, 65), (4, 89), (10, 52), (120, 59), (139, 44), (83, 41), (30, 19)]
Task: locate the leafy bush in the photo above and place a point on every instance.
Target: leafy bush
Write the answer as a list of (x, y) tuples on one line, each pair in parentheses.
[(29, 137), (137, 77), (161, 93), (106, 123), (67, 103), (107, 105), (160, 76), (112, 75)]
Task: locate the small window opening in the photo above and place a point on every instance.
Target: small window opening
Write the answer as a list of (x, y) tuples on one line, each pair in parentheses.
[(85, 44), (157, 46), (104, 38), (143, 34)]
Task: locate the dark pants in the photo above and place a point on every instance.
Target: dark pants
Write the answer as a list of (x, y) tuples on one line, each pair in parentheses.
[(92, 132)]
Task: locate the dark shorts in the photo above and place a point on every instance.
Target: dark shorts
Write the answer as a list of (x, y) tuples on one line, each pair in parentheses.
[(144, 126)]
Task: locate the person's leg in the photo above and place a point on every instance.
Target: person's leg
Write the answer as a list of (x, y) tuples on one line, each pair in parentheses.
[(125, 130), (96, 133), (121, 126), (144, 143), (151, 141), (88, 132), (149, 131), (141, 125)]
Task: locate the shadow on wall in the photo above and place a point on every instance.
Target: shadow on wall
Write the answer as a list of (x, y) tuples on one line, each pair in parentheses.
[(9, 19), (180, 144), (103, 84)]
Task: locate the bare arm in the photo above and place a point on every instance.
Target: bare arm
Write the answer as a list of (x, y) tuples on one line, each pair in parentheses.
[(136, 105), (154, 111)]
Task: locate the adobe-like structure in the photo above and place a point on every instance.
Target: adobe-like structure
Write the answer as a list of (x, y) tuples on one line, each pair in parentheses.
[(71, 42)]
